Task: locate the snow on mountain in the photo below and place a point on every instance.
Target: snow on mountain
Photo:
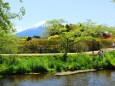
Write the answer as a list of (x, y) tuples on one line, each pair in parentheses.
[(41, 23), (34, 31)]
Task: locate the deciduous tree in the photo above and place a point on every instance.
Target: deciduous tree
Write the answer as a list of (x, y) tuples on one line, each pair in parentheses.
[(75, 32), (7, 40)]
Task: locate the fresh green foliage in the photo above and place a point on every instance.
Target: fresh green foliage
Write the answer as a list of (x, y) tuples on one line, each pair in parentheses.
[(8, 44), (113, 0), (15, 64), (71, 33), (57, 27), (47, 46), (54, 45), (7, 40)]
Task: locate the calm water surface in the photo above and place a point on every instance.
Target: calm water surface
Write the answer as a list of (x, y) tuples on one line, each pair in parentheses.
[(100, 78)]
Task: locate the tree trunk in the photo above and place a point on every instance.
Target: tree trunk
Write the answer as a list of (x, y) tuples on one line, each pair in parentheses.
[(66, 51)]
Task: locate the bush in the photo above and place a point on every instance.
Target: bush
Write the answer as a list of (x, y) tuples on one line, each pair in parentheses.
[(54, 63), (47, 46)]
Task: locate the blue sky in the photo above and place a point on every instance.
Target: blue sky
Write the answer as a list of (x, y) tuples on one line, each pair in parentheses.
[(73, 11)]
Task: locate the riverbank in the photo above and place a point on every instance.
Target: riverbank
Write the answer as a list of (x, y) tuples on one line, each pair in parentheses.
[(22, 64)]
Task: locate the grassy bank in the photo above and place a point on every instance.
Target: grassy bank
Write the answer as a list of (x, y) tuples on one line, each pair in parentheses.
[(15, 64)]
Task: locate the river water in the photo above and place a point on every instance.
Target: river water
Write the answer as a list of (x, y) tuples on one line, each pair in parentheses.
[(100, 78)]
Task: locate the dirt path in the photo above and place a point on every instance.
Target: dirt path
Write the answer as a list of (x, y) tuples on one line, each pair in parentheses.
[(105, 50), (38, 54)]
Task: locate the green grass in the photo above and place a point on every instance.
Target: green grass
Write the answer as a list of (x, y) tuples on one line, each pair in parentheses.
[(14, 64)]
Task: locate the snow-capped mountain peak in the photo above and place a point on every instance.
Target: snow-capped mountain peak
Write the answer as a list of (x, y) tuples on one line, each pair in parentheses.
[(34, 31), (41, 23)]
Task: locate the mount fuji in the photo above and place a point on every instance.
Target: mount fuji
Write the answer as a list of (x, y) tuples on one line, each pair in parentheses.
[(34, 31)]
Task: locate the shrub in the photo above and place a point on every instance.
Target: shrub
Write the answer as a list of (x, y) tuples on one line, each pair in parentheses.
[(54, 63)]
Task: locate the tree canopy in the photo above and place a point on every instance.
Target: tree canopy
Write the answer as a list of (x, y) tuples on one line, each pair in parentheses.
[(113, 0), (75, 32), (7, 40), (6, 15)]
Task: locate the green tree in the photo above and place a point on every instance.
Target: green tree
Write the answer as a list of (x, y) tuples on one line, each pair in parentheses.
[(57, 27), (75, 33), (113, 0), (7, 40), (89, 31)]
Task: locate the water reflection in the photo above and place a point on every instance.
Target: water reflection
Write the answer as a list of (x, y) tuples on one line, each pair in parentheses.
[(100, 78)]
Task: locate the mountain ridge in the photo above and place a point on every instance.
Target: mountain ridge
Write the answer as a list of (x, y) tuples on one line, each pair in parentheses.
[(34, 31)]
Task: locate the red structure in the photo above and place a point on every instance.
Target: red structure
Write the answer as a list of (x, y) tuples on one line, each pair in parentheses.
[(105, 35)]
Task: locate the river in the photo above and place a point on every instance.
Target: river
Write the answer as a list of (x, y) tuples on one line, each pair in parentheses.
[(99, 78)]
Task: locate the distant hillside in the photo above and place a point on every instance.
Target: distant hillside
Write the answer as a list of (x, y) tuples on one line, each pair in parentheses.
[(35, 31)]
